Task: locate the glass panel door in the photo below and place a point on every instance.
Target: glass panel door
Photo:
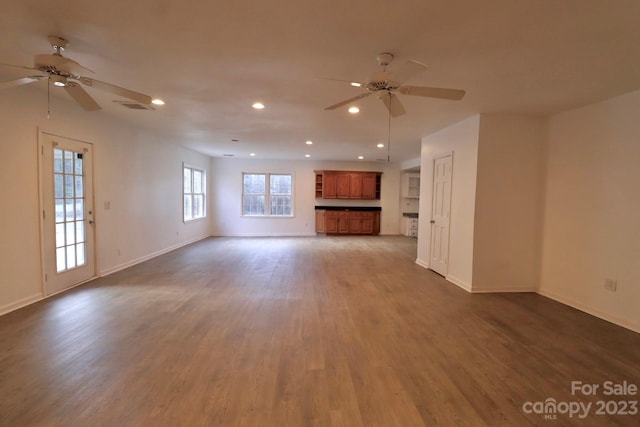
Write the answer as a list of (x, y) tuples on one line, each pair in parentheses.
[(67, 212)]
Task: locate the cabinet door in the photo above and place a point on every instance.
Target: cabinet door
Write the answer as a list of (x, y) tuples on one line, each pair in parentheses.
[(343, 182), (376, 222), (366, 225), (355, 223), (320, 221), (329, 186), (343, 222), (368, 189), (331, 222), (355, 185)]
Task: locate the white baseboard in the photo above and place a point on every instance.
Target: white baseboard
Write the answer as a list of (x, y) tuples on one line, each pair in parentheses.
[(459, 283), (20, 303), (422, 263), (147, 257), (635, 327), (498, 290)]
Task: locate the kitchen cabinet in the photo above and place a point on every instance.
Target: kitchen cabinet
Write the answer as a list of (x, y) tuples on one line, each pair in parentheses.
[(411, 227), (355, 185), (345, 221), (411, 185)]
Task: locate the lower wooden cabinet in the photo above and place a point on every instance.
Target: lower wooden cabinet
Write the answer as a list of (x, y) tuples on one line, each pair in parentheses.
[(347, 222)]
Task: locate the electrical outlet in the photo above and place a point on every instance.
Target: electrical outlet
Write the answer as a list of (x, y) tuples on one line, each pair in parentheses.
[(611, 284)]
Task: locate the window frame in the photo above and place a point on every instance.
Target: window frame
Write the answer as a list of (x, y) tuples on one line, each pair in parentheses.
[(192, 193), (267, 195)]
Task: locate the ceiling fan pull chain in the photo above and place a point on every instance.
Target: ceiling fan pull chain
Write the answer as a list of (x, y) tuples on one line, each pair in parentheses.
[(48, 98), (389, 134)]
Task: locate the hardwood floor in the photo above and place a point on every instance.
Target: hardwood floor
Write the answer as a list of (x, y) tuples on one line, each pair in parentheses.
[(327, 331)]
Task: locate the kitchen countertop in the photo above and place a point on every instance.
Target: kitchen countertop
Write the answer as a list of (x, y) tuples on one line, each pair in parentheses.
[(349, 208)]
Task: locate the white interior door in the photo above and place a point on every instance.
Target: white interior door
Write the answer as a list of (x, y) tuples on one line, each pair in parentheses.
[(441, 205), (66, 189)]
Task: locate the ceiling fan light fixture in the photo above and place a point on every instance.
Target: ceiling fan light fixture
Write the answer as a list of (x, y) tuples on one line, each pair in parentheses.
[(258, 105), (157, 101), (59, 81), (354, 110), (381, 145), (356, 84), (360, 157), (309, 142)]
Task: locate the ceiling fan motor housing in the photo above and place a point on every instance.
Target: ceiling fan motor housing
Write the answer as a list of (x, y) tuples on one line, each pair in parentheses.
[(384, 59)]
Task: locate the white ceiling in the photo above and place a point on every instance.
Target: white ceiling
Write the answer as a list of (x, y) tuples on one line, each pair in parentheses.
[(210, 60)]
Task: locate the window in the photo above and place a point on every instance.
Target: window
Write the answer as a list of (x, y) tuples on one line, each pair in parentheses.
[(69, 194), (194, 193), (260, 199)]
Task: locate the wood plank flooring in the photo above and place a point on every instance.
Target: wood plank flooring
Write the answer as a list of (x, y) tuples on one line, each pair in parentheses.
[(326, 331)]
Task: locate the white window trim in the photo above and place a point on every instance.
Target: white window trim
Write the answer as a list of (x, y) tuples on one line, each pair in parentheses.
[(204, 193), (267, 206)]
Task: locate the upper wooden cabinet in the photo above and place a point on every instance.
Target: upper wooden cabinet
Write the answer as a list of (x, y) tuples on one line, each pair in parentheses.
[(348, 185)]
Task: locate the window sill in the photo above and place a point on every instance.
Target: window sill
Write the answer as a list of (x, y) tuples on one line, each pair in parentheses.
[(188, 221)]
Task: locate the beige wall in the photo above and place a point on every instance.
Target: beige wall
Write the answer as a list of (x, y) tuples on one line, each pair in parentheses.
[(508, 208), (226, 196), (592, 209), (554, 206), (460, 139), (137, 172)]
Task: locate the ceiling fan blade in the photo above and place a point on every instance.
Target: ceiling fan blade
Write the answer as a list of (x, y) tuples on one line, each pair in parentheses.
[(18, 66), (410, 69), (117, 90), (81, 96), (74, 68), (18, 82), (347, 101), (432, 92), (392, 103), (351, 82)]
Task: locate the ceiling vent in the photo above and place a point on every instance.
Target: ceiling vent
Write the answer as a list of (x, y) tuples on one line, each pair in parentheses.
[(134, 105)]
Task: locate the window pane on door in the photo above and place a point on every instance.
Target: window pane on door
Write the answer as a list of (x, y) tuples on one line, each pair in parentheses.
[(69, 209)]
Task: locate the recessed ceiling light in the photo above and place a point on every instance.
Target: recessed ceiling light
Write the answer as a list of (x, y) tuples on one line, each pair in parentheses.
[(354, 110), (309, 142), (157, 101), (356, 84), (381, 145), (307, 155), (360, 157), (258, 105), (252, 154)]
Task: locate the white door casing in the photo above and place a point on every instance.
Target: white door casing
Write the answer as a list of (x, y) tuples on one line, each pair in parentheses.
[(67, 212), (440, 214)]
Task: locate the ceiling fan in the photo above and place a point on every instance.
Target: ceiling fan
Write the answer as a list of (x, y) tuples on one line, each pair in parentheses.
[(385, 84), (67, 73)]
